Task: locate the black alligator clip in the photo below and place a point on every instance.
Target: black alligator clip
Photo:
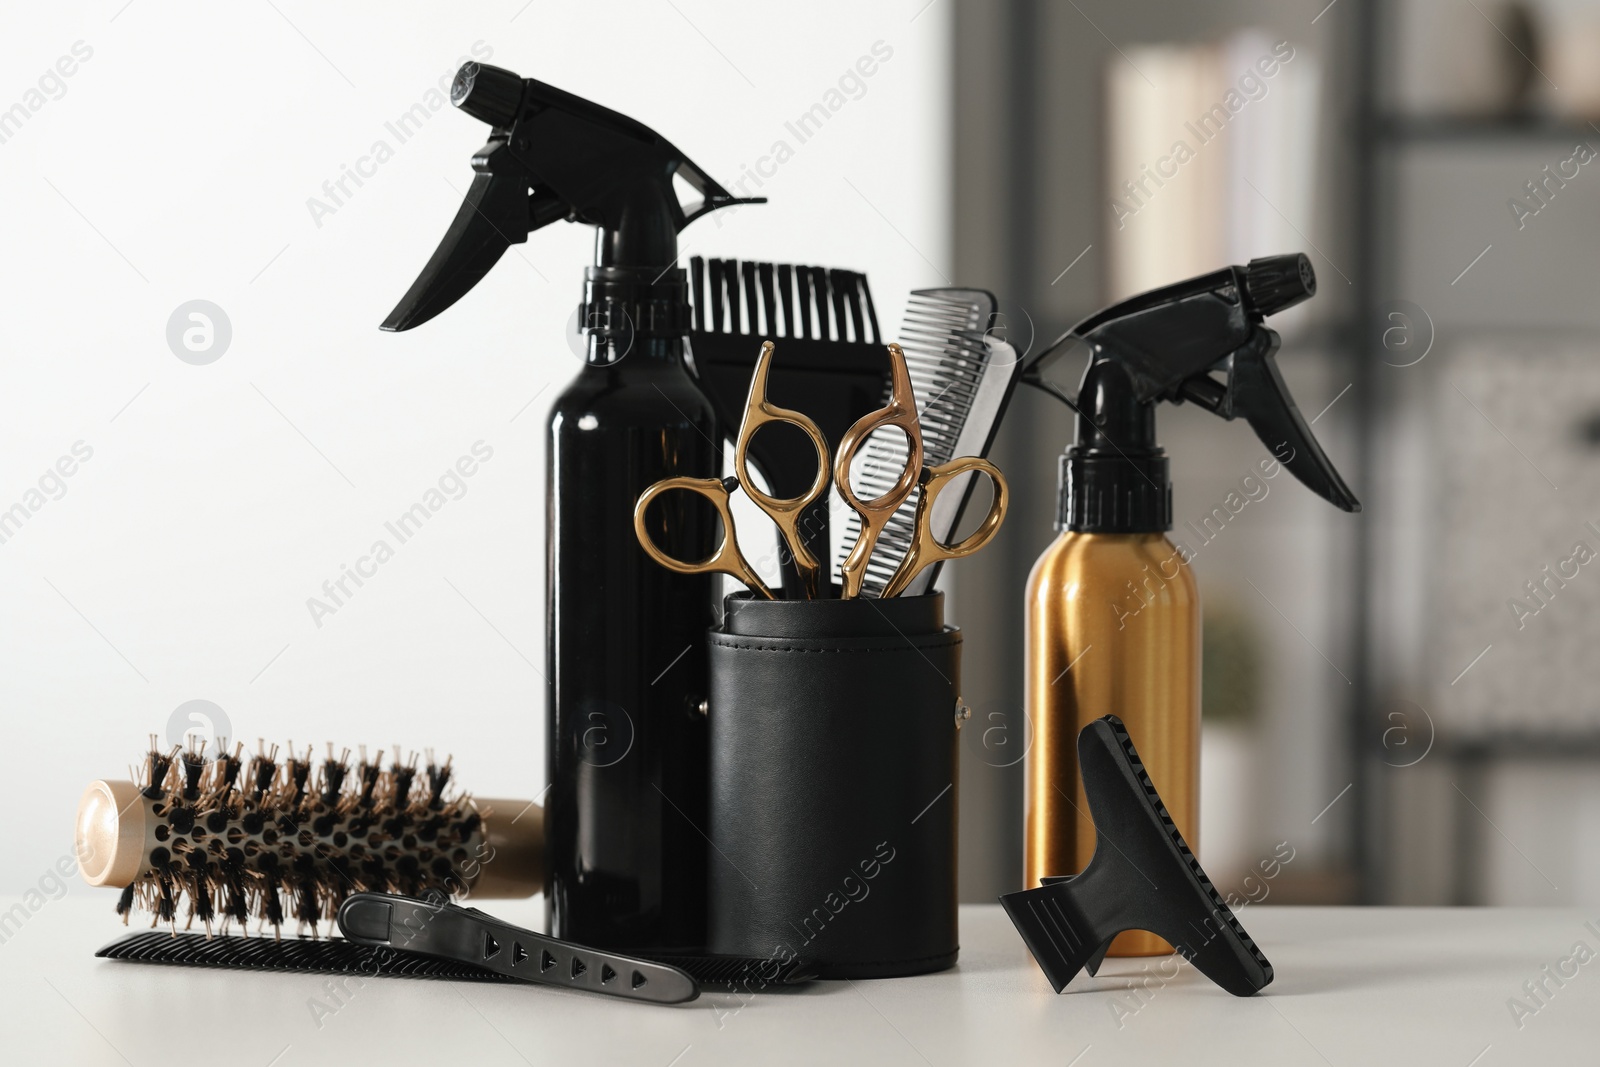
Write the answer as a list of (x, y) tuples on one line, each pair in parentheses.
[(438, 928), (1142, 877)]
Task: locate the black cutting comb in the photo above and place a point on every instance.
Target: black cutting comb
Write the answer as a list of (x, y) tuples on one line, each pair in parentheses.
[(298, 955), (338, 956), (1146, 880), (830, 364)]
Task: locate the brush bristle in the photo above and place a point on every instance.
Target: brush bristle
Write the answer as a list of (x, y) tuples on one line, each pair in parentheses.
[(281, 840)]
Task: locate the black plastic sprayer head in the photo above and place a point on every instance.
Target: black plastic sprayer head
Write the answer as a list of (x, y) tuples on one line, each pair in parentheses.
[(1172, 344), (551, 156)]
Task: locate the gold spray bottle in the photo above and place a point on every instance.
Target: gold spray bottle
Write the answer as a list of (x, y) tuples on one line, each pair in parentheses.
[(1113, 611), (1113, 626)]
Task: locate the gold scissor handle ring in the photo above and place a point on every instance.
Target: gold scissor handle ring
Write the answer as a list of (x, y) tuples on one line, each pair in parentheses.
[(857, 436), (939, 477), (926, 549), (901, 413), (727, 559), (766, 414), (759, 412), (785, 512)]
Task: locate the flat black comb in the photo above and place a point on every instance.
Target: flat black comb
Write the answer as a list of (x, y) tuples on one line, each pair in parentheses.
[(338, 956), (1147, 879), (830, 364)]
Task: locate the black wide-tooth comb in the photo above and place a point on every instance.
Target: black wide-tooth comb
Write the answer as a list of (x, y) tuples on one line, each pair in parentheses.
[(831, 364), (1146, 880)]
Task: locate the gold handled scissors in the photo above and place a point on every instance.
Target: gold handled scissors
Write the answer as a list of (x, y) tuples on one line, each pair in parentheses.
[(899, 413), (760, 412), (926, 549), (727, 559), (785, 513)]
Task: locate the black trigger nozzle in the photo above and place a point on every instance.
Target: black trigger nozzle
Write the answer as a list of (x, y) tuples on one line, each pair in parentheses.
[(488, 94), (1277, 283), (1148, 880)]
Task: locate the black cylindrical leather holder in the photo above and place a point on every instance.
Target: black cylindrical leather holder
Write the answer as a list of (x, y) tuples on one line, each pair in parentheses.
[(833, 784)]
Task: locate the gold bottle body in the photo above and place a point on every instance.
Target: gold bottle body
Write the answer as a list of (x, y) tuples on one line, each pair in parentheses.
[(1113, 628)]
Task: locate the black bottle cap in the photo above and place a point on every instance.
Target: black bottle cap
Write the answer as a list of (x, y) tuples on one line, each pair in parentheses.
[(1114, 494), (622, 304)]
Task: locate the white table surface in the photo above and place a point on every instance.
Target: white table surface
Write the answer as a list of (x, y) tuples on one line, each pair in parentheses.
[(1354, 986)]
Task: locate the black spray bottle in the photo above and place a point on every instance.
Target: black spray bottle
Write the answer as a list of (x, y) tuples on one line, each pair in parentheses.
[(626, 744)]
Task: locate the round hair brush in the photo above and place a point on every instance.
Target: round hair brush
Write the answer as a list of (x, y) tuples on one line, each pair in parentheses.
[(229, 839)]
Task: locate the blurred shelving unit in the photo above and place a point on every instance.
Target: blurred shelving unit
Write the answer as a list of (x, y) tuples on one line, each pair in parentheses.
[(1401, 130), (1421, 182)]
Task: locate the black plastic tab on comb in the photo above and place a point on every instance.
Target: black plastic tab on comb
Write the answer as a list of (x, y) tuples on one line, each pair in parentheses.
[(1146, 880)]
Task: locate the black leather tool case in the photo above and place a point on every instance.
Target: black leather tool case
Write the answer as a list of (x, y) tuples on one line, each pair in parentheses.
[(833, 784)]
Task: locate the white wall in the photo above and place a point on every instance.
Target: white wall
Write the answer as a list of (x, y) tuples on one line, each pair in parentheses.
[(177, 165)]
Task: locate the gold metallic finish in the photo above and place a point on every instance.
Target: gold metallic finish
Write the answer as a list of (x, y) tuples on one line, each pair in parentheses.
[(901, 413), (727, 559), (513, 836), (1113, 628), (926, 549), (784, 513)]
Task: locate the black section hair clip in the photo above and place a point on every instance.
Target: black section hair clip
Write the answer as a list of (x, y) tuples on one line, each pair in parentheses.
[(1146, 880), (466, 935)]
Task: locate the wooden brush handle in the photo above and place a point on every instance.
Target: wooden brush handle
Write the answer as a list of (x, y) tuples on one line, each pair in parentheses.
[(513, 831)]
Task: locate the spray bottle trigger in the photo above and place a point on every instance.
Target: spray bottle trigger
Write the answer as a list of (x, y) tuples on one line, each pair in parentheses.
[(496, 213), (1256, 390)]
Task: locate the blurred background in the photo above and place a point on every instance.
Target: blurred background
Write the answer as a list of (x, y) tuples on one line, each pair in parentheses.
[(1398, 697)]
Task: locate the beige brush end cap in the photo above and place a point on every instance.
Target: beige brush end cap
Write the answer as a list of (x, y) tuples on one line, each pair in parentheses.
[(109, 837)]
